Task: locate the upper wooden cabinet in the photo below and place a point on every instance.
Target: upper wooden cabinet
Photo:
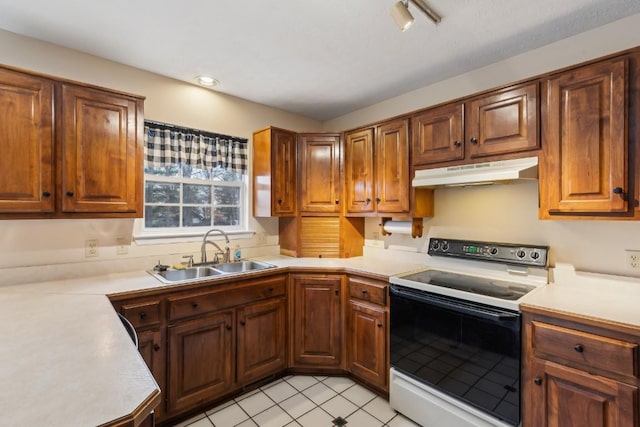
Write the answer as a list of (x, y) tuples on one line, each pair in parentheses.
[(585, 168), (501, 122), (274, 173), (96, 168), (320, 166)]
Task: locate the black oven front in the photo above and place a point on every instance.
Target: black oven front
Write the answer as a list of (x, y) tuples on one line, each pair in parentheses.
[(467, 350)]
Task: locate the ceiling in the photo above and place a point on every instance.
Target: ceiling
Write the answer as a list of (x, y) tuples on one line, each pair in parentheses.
[(317, 58)]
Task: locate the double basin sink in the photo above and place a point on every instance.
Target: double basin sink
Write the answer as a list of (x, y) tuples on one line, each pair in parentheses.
[(209, 270)]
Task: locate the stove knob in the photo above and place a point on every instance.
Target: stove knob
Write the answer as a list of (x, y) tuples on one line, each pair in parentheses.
[(535, 255), (445, 246), (493, 251), (520, 253), (435, 245)]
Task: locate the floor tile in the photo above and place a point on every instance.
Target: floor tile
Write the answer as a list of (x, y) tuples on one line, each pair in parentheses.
[(362, 418), (297, 405), (380, 409), (221, 407), (190, 421), (248, 394), (319, 393), (339, 384), (320, 378), (203, 422), (301, 382), (401, 421), (358, 395), (339, 407), (255, 404), (280, 391), (229, 416), (318, 418), (248, 423), (273, 417)]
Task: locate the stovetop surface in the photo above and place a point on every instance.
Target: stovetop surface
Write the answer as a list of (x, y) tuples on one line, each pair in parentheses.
[(477, 285)]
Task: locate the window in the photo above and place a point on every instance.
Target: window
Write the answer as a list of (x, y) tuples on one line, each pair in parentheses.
[(183, 197), (194, 181)]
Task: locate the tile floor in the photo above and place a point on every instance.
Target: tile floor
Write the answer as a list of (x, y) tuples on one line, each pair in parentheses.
[(307, 401)]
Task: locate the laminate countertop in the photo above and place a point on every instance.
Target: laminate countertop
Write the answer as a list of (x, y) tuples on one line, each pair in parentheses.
[(65, 358)]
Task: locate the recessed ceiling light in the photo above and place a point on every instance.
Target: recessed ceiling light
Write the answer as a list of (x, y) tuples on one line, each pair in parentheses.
[(207, 81)]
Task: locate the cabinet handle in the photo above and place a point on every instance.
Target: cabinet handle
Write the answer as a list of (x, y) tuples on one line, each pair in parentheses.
[(46, 194), (579, 348), (537, 381), (474, 140), (279, 201), (228, 327), (70, 193), (377, 199), (242, 322), (271, 290), (143, 314), (457, 143), (364, 291), (156, 347), (337, 201), (368, 200), (379, 325), (337, 292), (194, 305)]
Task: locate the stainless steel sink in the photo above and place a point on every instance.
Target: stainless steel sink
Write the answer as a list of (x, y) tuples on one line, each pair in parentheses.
[(209, 270), (188, 274), (242, 266)]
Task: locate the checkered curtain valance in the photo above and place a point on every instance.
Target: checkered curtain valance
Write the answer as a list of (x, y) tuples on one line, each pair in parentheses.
[(167, 144)]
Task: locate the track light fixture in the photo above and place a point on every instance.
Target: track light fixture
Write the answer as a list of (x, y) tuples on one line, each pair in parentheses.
[(404, 19)]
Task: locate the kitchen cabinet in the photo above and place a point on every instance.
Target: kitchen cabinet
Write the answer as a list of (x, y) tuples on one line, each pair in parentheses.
[(367, 342), (95, 169), (316, 338), (274, 173), (501, 122), (578, 372), (585, 170), (320, 168), (377, 173)]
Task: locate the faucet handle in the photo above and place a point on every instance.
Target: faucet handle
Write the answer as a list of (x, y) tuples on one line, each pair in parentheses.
[(190, 263)]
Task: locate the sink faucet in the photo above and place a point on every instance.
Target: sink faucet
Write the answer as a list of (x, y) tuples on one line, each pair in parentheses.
[(203, 248)]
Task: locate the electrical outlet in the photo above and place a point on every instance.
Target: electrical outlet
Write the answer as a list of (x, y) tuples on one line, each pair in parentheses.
[(91, 248), (633, 259), (122, 246)]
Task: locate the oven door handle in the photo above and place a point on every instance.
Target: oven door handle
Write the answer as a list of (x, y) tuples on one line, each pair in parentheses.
[(463, 307)]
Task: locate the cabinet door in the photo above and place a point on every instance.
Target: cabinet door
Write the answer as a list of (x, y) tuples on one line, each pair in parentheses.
[(101, 152), (317, 322), (438, 134), (261, 340), (367, 343), (557, 396), (504, 122), (359, 171), (320, 173), (392, 167), (284, 173), (26, 141), (200, 361), (152, 350), (585, 163)]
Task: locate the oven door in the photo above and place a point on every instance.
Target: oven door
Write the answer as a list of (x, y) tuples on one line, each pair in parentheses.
[(466, 350)]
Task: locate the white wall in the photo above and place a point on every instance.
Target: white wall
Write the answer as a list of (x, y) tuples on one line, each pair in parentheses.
[(35, 249)]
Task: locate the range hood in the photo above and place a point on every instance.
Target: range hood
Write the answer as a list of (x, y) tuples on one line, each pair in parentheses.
[(500, 172)]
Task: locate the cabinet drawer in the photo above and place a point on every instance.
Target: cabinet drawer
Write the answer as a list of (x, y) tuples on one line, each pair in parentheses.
[(142, 314), (583, 348), (368, 291), (206, 302)]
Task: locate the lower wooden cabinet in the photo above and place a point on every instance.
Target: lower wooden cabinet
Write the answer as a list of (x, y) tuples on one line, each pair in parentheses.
[(261, 340), (317, 321), (151, 347), (200, 360), (578, 373)]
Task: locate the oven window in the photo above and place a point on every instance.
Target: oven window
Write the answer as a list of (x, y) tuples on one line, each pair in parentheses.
[(470, 357)]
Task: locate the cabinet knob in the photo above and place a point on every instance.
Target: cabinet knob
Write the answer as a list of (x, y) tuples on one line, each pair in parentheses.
[(46, 194), (194, 305), (242, 322), (364, 291), (457, 143), (143, 314), (156, 347), (537, 381), (474, 140), (579, 348), (337, 292), (379, 325), (368, 200), (337, 201), (271, 290), (279, 201), (70, 193), (618, 190), (377, 199), (228, 327)]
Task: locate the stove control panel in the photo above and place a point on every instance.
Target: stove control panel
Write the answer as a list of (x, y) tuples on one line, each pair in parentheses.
[(508, 253)]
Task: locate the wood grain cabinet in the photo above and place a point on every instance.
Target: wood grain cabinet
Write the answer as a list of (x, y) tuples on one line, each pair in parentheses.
[(585, 171), (320, 164), (498, 123), (316, 338), (377, 173), (95, 169), (274, 173), (579, 374), (367, 343)]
